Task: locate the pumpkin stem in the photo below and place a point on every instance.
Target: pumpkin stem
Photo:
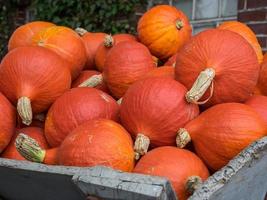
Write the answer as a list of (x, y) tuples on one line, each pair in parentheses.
[(119, 101), (108, 41), (182, 138), (193, 183), (141, 145), (93, 81), (25, 110), (80, 31), (200, 86), (179, 24), (29, 148)]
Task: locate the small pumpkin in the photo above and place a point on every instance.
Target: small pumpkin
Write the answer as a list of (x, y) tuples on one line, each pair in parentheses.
[(218, 65), (221, 132), (75, 107), (22, 36), (163, 71), (32, 78), (107, 44), (164, 30), (91, 41), (259, 104), (246, 33), (183, 168), (34, 132), (66, 43), (153, 110), (171, 61), (88, 146), (85, 75)]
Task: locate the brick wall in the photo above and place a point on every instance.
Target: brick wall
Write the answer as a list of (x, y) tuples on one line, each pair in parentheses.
[(254, 14)]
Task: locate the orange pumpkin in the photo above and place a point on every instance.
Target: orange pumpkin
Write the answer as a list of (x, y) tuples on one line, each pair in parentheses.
[(33, 78), (107, 44), (22, 36), (182, 167), (163, 71), (34, 132), (243, 30), (66, 43), (221, 132), (164, 30), (218, 65)]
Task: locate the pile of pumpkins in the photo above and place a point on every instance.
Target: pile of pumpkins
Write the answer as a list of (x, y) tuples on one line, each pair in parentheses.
[(87, 99)]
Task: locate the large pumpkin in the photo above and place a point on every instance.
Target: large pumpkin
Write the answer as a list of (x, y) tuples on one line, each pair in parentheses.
[(74, 108), (245, 32), (164, 30), (182, 167), (91, 41), (22, 36), (107, 44), (32, 78), (221, 132), (259, 104), (153, 110), (34, 132), (7, 122), (66, 43), (219, 64)]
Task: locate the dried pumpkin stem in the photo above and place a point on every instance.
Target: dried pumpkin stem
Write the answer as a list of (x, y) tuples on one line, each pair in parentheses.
[(93, 81), (179, 24), (119, 101), (80, 31), (141, 145), (193, 183), (108, 41), (182, 138), (29, 148), (200, 86), (25, 110)]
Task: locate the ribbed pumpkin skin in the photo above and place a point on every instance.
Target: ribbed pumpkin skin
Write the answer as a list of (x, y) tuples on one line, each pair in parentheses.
[(126, 63), (7, 122), (163, 71), (34, 72), (92, 41), (171, 61), (259, 104), (222, 131), (245, 32), (98, 142), (157, 30), (175, 164), (230, 55), (66, 43), (34, 132), (262, 83), (156, 107), (74, 108), (22, 36), (102, 51), (86, 74)]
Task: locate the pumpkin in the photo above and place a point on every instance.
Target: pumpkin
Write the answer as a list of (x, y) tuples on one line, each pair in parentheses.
[(107, 44), (164, 30), (182, 167), (86, 74), (34, 132), (163, 71), (265, 57), (74, 108), (22, 36), (91, 41), (7, 122), (66, 43), (32, 78), (153, 110), (259, 104), (171, 61), (243, 30), (221, 132), (219, 65), (262, 83), (88, 146)]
